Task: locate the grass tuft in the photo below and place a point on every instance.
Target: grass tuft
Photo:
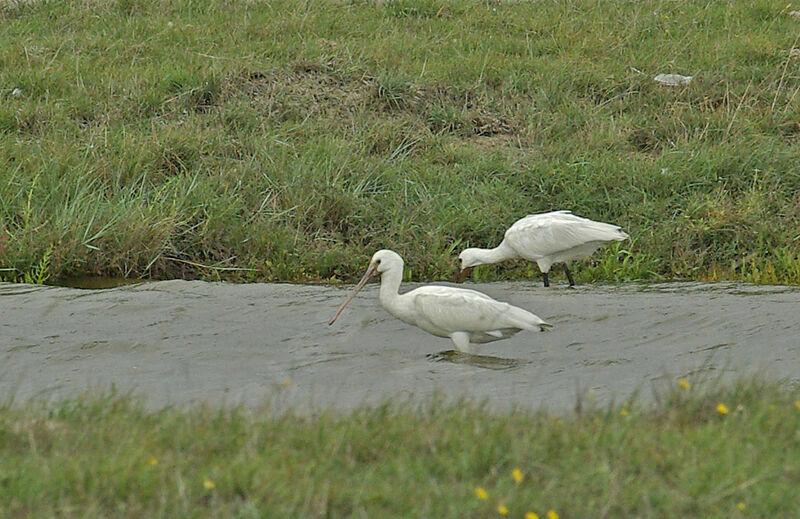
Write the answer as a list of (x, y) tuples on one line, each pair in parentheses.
[(698, 452), (289, 143)]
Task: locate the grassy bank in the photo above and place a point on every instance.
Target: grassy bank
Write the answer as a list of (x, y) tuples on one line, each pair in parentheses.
[(292, 139), (731, 453)]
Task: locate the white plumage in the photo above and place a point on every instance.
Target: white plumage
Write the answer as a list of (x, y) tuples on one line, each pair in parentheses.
[(547, 239), (465, 316)]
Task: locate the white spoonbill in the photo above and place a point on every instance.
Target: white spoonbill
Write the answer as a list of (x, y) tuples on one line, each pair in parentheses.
[(463, 315), (546, 238)]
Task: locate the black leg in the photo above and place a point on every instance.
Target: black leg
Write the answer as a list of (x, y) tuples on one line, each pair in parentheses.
[(569, 275), (545, 279)]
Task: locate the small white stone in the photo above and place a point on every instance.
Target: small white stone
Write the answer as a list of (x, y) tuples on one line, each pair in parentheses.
[(673, 79), (16, 92)]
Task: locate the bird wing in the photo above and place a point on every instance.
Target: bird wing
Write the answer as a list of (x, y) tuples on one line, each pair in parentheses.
[(540, 235), (456, 309)]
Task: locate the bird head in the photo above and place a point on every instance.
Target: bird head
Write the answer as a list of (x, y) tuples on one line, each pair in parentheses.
[(381, 261), (384, 260), (467, 260)]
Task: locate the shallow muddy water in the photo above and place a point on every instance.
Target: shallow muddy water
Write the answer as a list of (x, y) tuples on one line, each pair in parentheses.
[(188, 342)]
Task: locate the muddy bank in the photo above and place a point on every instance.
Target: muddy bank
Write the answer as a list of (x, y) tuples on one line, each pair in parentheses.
[(180, 342)]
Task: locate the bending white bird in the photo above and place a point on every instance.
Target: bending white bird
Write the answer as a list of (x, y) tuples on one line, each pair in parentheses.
[(466, 316), (547, 239)]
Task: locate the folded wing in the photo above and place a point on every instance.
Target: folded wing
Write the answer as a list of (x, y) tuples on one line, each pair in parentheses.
[(542, 235), (451, 309)]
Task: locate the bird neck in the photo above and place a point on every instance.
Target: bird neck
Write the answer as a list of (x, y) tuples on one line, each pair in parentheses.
[(390, 286), (500, 253)]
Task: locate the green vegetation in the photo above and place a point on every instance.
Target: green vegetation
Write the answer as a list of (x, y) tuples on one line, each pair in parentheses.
[(290, 140), (108, 457)]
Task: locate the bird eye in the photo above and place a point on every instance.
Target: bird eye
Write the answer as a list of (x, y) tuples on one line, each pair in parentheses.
[(377, 262)]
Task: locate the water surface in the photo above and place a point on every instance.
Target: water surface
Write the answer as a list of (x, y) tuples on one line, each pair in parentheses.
[(189, 342)]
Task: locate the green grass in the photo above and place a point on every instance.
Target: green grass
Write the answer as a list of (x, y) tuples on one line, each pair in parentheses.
[(108, 457), (290, 140)]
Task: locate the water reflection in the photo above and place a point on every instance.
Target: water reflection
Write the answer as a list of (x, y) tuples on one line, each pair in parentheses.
[(94, 282), (479, 361)]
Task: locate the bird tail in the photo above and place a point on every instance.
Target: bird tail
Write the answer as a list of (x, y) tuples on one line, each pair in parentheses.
[(528, 320), (607, 232), (622, 235)]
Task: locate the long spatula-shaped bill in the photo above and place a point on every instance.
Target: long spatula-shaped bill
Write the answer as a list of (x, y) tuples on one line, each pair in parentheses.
[(369, 274)]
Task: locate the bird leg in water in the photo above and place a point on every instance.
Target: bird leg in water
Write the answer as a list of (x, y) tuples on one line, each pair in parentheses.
[(460, 341), (546, 279), (569, 275)]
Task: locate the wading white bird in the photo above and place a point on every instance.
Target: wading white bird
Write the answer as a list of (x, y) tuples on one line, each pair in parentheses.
[(463, 315), (547, 239)]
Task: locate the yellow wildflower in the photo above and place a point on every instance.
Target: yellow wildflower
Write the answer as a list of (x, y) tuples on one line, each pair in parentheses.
[(797, 404), (623, 412), (740, 505), (481, 493), (552, 514), (722, 409), (531, 515), (684, 384), (517, 475), (287, 383), (502, 510), (153, 462), (208, 484)]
